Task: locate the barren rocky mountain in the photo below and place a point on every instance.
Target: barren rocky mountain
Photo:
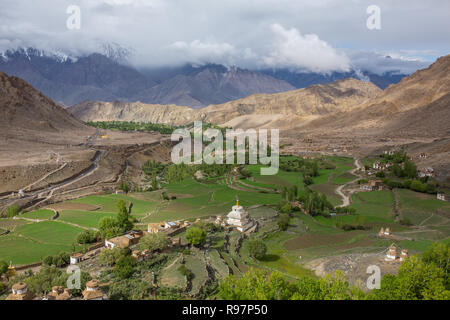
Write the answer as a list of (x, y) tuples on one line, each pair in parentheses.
[(412, 98), (24, 108), (133, 111), (313, 101), (212, 84)]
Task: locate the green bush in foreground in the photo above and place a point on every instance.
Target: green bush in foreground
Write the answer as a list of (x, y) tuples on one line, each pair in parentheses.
[(419, 278)]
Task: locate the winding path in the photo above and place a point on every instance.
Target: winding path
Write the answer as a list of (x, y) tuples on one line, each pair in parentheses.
[(346, 198)]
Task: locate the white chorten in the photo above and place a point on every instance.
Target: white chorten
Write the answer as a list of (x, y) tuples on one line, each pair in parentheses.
[(239, 218)]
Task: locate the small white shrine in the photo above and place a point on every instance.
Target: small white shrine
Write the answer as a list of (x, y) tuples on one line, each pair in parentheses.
[(239, 218)]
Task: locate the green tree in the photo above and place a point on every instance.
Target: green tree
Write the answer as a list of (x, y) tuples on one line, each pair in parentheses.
[(125, 267), (108, 227), (87, 236), (124, 187), (111, 256), (154, 241), (3, 267), (123, 218), (283, 221), (257, 249), (196, 236)]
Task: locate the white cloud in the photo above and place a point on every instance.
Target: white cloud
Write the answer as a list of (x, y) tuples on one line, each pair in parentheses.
[(380, 63), (203, 52), (293, 50)]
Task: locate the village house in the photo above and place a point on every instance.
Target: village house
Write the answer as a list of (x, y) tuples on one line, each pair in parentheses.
[(124, 241), (155, 227), (171, 225), (76, 258), (423, 155), (373, 185), (239, 218), (92, 291), (426, 172), (59, 293), (443, 197), (20, 292), (382, 166)]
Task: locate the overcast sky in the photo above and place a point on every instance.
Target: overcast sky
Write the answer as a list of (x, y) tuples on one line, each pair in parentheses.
[(313, 35)]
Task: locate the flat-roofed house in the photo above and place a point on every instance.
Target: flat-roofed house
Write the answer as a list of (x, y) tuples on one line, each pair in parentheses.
[(155, 227), (124, 241), (76, 258)]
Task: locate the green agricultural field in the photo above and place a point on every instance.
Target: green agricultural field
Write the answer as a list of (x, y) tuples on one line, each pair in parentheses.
[(20, 250), (421, 208), (108, 203), (49, 232), (11, 224), (171, 277), (374, 204), (197, 265), (41, 214), (88, 219)]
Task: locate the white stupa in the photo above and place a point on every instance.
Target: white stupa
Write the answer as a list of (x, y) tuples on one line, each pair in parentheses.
[(239, 218)]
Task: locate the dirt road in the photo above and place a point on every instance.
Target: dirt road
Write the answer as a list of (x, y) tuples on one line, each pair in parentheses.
[(346, 198)]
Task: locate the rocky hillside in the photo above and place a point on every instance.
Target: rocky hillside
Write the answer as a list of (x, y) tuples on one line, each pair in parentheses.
[(212, 84), (314, 101), (133, 111), (24, 108), (309, 102), (422, 95)]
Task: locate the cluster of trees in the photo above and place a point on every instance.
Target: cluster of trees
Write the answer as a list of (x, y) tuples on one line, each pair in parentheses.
[(290, 193), (415, 185), (59, 260), (408, 170), (154, 241), (121, 260), (133, 126), (123, 222), (88, 236), (397, 157), (315, 204), (309, 168), (418, 278), (359, 224), (124, 187)]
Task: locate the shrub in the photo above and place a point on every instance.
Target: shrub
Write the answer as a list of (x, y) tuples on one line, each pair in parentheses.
[(257, 249), (87, 236), (185, 272), (125, 267), (154, 241), (283, 221), (196, 236)]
